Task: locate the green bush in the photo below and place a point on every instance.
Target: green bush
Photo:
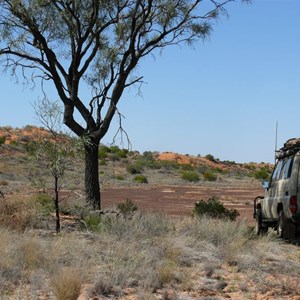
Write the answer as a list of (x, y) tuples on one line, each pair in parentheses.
[(190, 176), (218, 170), (261, 174), (122, 153), (114, 149), (210, 157), (102, 162), (92, 222), (103, 152), (187, 167), (249, 166), (148, 155), (169, 165), (2, 139), (29, 127), (230, 162), (215, 209), (120, 177), (147, 160), (210, 176), (45, 203), (127, 208), (134, 169), (141, 178)]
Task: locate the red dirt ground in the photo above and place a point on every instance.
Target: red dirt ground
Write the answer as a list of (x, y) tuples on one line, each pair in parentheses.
[(179, 200)]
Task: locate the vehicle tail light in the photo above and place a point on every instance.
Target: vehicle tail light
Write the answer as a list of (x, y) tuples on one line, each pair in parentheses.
[(293, 204)]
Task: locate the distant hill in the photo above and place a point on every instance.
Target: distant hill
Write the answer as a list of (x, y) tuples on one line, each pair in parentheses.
[(120, 166), (10, 135)]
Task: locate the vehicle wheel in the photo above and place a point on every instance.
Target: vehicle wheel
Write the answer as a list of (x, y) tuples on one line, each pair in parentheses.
[(281, 225), (260, 229)]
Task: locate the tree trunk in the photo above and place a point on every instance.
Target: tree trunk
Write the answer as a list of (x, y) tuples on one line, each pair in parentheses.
[(56, 202), (92, 186)]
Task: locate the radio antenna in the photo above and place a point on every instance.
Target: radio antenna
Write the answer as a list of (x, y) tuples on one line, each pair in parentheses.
[(276, 134)]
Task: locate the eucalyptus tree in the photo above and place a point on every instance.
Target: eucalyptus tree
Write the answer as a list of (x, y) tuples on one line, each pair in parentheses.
[(97, 44)]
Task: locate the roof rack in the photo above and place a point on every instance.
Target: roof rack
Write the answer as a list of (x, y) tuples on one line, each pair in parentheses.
[(290, 147)]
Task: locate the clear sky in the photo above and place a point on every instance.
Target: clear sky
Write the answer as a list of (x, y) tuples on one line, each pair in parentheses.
[(222, 98)]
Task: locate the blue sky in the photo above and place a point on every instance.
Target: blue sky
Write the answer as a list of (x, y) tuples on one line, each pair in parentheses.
[(222, 98)]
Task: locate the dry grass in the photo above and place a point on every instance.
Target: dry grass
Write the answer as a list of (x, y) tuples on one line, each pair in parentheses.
[(17, 213), (4, 182), (66, 283), (149, 254)]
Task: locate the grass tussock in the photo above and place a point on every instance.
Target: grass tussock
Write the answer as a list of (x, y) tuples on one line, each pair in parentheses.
[(147, 254), (66, 283), (17, 213)]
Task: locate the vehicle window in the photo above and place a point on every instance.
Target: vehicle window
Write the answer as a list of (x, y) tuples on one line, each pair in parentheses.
[(287, 170), (277, 171)]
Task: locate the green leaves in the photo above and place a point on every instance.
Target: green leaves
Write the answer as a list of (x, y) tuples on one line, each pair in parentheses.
[(215, 209)]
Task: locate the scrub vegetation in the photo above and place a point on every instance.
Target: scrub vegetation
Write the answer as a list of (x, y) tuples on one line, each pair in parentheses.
[(128, 253), (124, 251)]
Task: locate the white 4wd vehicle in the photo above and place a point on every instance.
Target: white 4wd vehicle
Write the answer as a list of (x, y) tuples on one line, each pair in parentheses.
[(280, 207)]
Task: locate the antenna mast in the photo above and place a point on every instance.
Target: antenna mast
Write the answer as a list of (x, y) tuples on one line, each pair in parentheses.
[(276, 134)]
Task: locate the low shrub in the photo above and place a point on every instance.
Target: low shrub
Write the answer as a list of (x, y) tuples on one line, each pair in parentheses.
[(2, 139), (92, 222), (169, 164), (134, 169), (121, 153), (127, 208), (141, 178), (102, 162), (261, 174), (229, 162), (45, 203), (120, 177), (190, 176), (104, 151), (114, 149), (147, 160), (209, 176), (187, 167), (148, 155), (210, 157), (215, 209)]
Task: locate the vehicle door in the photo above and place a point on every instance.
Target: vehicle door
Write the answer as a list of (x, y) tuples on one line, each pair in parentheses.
[(273, 191), (286, 187)]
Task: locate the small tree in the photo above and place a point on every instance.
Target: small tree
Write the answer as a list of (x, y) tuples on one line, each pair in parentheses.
[(52, 151)]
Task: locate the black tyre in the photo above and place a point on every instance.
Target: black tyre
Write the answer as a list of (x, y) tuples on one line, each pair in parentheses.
[(281, 227), (260, 228)]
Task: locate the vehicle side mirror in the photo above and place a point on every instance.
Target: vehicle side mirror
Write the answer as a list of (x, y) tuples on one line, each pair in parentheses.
[(265, 185)]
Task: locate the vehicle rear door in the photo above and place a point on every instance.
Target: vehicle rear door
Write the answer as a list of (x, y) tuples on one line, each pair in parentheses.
[(273, 193), (287, 186)]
